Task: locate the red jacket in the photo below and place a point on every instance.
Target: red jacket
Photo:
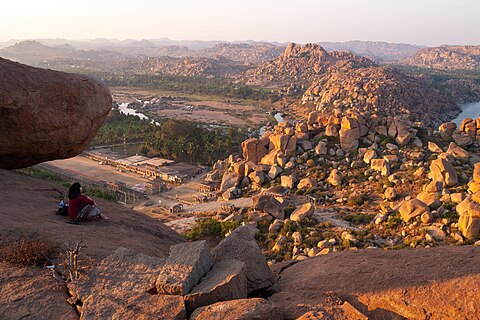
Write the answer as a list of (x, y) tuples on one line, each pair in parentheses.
[(77, 204)]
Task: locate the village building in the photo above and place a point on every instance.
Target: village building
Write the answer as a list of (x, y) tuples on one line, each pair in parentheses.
[(154, 187), (116, 185), (178, 207), (208, 186), (104, 156), (179, 172)]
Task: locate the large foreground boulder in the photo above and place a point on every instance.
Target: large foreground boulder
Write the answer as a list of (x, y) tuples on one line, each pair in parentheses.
[(144, 306), (242, 309), (47, 114), (241, 245), (226, 281), (122, 274), (186, 265)]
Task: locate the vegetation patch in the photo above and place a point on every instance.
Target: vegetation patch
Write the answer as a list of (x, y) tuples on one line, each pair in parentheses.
[(211, 227)]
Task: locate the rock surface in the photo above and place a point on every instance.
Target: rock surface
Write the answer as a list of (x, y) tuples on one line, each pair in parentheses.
[(47, 114), (241, 245), (268, 204), (226, 281), (144, 306), (243, 309), (186, 265), (122, 274)]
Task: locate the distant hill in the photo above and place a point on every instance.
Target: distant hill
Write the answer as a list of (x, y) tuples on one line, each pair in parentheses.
[(248, 53), (447, 58), (33, 52), (378, 51)]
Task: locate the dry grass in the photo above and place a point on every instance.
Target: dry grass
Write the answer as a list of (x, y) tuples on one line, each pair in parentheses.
[(28, 252)]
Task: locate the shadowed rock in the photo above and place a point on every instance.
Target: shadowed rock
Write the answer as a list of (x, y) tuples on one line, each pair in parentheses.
[(226, 281), (46, 115)]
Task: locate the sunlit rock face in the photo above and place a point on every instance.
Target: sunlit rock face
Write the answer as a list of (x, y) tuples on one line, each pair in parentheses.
[(46, 115)]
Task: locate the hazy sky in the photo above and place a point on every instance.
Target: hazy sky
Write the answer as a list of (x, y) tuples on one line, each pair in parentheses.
[(429, 22)]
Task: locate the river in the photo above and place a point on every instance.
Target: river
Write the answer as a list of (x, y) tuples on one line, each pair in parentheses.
[(123, 108), (469, 110)]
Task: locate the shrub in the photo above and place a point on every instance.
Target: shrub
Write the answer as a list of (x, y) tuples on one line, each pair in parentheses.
[(358, 218), (288, 210), (394, 221), (355, 200), (211, 227), (28, 252)]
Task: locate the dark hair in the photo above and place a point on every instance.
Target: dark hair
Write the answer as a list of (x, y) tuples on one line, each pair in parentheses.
[(74, 191)]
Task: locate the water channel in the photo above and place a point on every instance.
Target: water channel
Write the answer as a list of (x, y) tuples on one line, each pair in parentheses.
[(469, 110)]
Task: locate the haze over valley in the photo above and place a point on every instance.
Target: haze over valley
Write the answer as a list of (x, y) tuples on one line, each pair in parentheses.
[(286, 177)]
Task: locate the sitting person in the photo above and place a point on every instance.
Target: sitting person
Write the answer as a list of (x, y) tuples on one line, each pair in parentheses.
[(80, 207)]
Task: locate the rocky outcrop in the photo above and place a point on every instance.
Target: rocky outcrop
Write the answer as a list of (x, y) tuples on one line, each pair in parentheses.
[(469, 221), (442, 170), (243, 309), (412, 208), (241, 245), (123, 274), (143, 306), (300, 65), (186, 265), (306, 210), (226, 281), (47, 114)]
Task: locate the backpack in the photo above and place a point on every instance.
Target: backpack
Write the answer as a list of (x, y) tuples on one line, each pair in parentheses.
[(62, 209)]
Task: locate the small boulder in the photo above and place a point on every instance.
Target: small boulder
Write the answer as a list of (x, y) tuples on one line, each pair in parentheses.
[(306, 210), (267, 203), (306, 183), (412, 208)]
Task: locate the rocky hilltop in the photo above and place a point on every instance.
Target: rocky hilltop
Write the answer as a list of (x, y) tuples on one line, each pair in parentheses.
[(380, 90), (299, 66), (447, 58)]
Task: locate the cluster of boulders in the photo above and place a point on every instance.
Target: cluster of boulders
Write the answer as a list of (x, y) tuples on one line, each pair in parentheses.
[(347, 159), (191, 279), (466, 135), (379, 90), (295, 146)]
